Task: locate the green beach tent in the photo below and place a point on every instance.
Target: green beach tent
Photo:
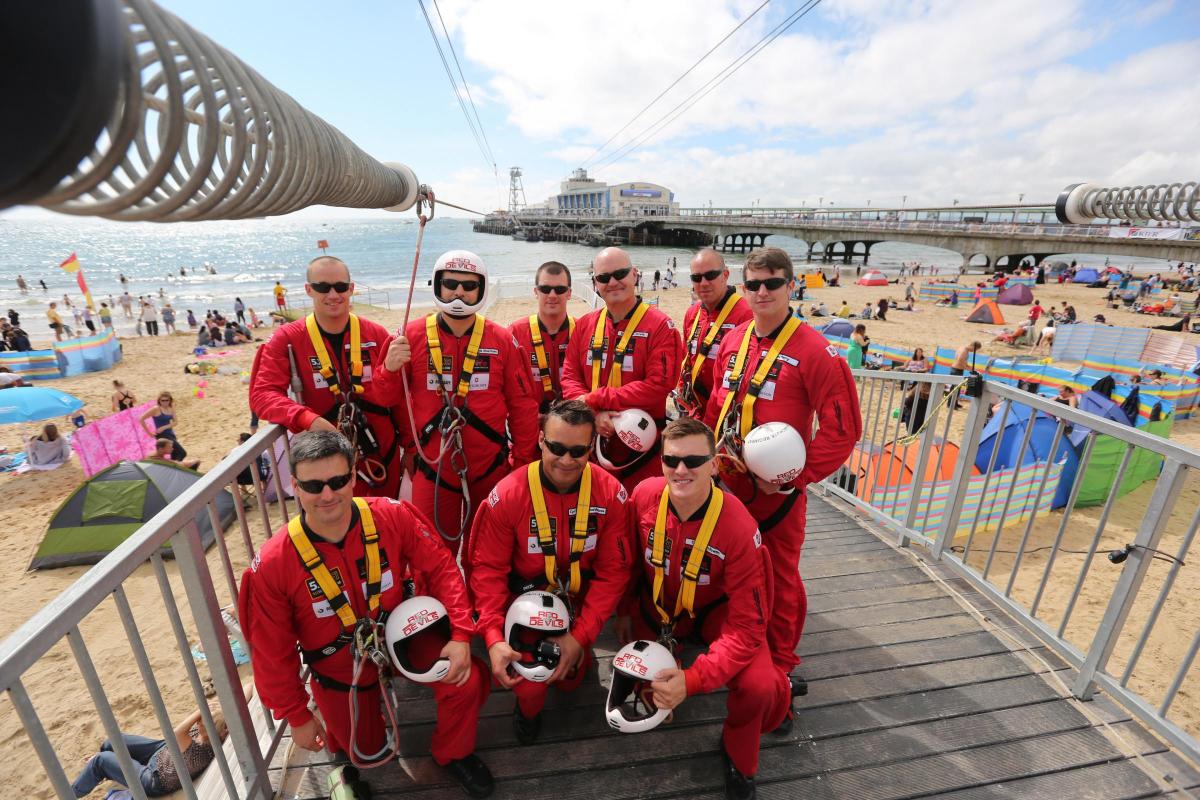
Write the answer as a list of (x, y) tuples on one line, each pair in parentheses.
[(107, 508)]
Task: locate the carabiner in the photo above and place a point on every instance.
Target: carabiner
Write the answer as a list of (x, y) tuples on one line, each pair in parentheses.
[(425, 195)]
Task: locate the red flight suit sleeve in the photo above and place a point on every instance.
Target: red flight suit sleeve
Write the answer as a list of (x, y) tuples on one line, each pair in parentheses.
[(270, 378), (269, 622), (574, 382), (744, 632), (611, 573), (663, 354), (391, 385), (831, 392), (428, 556), (492, 543), (522, 405)]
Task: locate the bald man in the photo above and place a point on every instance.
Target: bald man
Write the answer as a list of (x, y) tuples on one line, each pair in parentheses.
[(326, 357), (625, 355), (718, 310)]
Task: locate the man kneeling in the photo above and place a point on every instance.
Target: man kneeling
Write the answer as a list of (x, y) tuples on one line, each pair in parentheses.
[(721, 600), (310, 586)]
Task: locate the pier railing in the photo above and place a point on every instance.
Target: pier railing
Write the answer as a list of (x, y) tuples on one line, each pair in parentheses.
[(32, 662), (1077, 525)]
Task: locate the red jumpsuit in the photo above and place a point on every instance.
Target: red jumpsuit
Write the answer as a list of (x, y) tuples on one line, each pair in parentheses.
[(702, 386), (500, 402), (649, 372), (731, 606), (506, 559), (808, 377), (554, 345), (271, 377), (280, 606)]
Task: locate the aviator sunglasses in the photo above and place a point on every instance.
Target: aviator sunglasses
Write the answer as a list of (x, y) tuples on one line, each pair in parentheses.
[(315, 486), (709, 276), (556, 289), (323, 287), (771, 283), (691, 462), (467, 286), (560, 449), (616, 274)]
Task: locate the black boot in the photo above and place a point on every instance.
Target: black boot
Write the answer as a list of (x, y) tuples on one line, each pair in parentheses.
[(473, 775), (737, 785), (785, 728), (799, 686), (527, 730)]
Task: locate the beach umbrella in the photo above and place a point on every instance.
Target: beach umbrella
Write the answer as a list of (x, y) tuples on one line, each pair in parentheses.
[(33, 403)]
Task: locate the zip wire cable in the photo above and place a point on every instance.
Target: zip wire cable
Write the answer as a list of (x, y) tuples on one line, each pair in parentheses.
[(454, 88), (674, 83), (466, 87), (654, 128)]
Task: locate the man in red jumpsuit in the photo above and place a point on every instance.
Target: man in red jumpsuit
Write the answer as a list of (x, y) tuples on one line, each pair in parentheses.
[(543, 336), (475, 390), (586, 560), (730, 596), (283, 604), (317, 358), (807, 377), (719, 310), (625, 355)]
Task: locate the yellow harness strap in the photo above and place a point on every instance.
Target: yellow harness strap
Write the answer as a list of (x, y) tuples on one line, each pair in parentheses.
[(356, 356), (746, 421), (711, 336), (539, 351), (468, 365), (600, 345), (686, 598), (324, 578), (546, 536)]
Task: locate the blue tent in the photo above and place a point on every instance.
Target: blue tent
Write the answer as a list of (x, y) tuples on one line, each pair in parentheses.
[(1096, 403), (1007, 444), (1087, 275), (839, 327)]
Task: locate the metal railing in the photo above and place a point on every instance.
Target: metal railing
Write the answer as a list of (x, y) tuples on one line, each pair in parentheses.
[(1018, 495), (28, 655)]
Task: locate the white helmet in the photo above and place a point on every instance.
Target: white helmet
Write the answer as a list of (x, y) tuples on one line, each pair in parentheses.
[(419, 619), (775, 452), (629, 708), (636, 430), (531, 619), (459, 261)]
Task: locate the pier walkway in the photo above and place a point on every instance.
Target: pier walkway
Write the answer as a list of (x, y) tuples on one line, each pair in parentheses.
[(919, 687)]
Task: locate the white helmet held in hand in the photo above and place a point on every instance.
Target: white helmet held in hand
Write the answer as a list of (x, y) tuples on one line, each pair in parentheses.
[(459, 261), (775, 452), (629, 708), (415, 628), (530, 622), (636, 430)]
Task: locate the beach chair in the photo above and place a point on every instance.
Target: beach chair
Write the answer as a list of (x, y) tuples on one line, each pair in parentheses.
[(1186, 307)]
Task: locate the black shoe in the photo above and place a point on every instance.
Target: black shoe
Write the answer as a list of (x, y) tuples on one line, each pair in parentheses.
[(527, 730), (785, 728), (473, 775), (737, 785), (799, 686)]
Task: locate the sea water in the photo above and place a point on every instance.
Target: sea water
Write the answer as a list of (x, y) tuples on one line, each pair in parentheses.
[(249, 256)]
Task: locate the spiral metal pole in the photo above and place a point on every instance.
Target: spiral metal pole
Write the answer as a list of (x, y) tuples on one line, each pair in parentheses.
[(1080, 203), (196, 134)]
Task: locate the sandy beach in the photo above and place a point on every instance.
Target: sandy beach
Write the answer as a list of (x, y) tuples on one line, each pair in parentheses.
[(208, 427)]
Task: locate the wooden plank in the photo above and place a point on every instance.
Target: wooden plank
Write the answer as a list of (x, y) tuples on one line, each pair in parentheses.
[(849, 583), (865, 598), (851, 564), (856, 662), (1114, 781), (849, 619), (894, 633), (825, 553)]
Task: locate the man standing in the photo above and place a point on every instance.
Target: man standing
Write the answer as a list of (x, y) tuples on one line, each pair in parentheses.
[(543, 336), (56, 322), (777, 369), (700, 576), (127, 304), (328, 360), (470, 394), (719, 310), (557, 525), (625, 355), (280, 296), (308, 590)]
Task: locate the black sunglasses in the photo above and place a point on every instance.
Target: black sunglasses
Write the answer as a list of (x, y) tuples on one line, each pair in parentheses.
[(321, 287), (771, 283), (316, 487), (709, 276), (691, 462), (555, 289), (616, 274), (467, 286), (560, 449)]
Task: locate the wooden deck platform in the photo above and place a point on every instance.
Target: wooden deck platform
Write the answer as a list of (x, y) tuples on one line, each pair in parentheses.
[(911, 695)]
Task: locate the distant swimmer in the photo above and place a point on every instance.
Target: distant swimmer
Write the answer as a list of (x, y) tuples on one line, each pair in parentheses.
[(22, 285), (183, 272), (211, 269), (44, 287), (124, 281)]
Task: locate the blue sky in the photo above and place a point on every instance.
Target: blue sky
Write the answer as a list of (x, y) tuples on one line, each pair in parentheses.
[(861, 100)]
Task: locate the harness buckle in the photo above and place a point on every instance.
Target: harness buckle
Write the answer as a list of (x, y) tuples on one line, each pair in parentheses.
[(369, 642), (666, 637)]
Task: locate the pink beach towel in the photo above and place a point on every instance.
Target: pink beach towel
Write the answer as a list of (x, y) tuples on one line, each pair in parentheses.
[(106, 441)]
